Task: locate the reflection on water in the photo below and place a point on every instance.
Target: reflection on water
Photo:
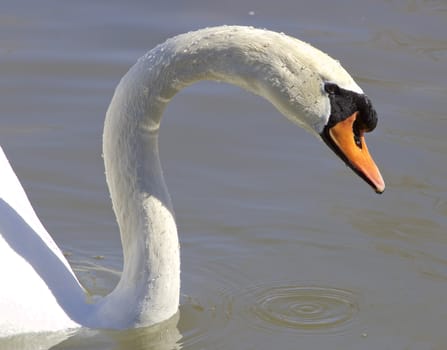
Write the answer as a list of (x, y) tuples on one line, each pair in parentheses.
[(164, 336), (34, 341), (262, 207)]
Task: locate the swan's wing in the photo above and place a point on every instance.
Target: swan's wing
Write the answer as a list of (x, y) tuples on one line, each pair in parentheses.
[(36, 279), (14, 199)]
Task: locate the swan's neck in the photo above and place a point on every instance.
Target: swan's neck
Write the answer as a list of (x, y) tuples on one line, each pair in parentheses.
[(148, 291)]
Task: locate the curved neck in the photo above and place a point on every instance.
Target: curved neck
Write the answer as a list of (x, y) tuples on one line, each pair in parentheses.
[(240, 56)]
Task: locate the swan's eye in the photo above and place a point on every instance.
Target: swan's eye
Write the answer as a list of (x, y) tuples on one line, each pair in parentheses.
[(332, 89)]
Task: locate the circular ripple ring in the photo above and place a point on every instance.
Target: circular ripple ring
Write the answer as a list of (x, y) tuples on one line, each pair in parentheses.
[(308, 308)]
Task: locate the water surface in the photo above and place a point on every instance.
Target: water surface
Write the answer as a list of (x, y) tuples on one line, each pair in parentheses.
[(282, 246)]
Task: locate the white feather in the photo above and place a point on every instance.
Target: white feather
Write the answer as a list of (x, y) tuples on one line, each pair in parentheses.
[(39, 290)]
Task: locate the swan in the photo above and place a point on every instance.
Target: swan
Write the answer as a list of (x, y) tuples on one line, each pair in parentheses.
[(39, 290)]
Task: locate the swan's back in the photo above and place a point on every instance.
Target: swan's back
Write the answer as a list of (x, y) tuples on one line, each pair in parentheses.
[(14, 199), (33, 270)]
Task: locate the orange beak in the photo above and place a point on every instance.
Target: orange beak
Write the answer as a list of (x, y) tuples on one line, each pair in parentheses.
[(353, 150)]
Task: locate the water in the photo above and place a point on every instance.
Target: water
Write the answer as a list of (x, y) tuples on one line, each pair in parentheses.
[(282, 246)]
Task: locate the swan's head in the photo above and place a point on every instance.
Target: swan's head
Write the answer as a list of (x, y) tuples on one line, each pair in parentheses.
[(314, 91), (329, 104), (351, 116)]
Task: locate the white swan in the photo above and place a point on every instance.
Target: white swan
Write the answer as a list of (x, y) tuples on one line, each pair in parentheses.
[(39, 290)]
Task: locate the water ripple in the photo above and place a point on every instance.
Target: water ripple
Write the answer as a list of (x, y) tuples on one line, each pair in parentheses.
[(303, 308)]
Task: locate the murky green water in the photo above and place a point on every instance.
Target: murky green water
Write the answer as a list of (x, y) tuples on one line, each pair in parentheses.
[(282, 246)]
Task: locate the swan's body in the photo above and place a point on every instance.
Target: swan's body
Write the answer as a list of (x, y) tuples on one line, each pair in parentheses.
[(40, 292)]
